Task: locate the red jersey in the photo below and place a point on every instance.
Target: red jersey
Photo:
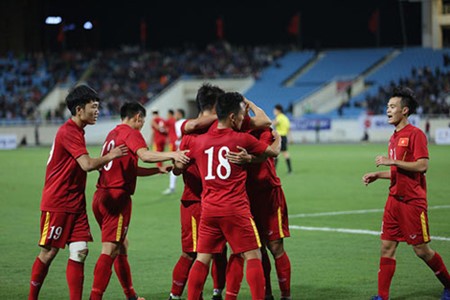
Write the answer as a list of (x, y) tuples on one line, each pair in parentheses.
[(224, 192), (263, 175), (65, 180), (192, 182), (408, 144), (171, 132), (121, 172), (159, 133)]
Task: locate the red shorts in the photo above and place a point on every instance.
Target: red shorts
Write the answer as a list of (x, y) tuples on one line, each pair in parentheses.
[(404, 222), (238, 230), (159, 146), (190, 212), (270, 212), (59, 229), (112, 210)]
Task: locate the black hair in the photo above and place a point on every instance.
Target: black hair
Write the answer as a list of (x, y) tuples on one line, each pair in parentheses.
[(80, 96), (170, 111), (279, 108), (407, 96), (207, 96), (182, 112), (228, 103), (130, 109)]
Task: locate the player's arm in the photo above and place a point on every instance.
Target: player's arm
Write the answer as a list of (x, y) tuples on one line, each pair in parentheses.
[(371, 177), (420, 165), (200, 122), (274, 149), (243, 156), (153, 171), (155, 156), (88, 163), (260, 118)]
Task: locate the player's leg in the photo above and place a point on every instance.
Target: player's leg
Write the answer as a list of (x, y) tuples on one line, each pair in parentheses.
[(123, 272), (40, 269), (282, 266), (197, 276), (75, 268), (387, 267), (267, 267), (255, 273), (180, 274), (435, 262), (279, 228), (235, 273), (190, 212), (218, 273), (102, 270), (414, 222), (287, 158)]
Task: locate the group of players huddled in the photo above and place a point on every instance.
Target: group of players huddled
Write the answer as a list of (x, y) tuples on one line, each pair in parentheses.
[(232, 196)]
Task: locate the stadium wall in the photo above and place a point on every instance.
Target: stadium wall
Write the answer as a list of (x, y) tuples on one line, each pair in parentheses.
[(341, 131)]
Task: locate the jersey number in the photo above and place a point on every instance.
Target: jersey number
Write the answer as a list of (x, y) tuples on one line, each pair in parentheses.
[(223, 170), (108, 146), (55, 233)]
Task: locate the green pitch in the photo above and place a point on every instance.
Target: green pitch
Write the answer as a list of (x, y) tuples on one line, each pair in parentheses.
[(326, 263)]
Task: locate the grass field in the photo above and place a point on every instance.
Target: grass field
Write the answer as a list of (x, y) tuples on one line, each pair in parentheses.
[(326, 264)]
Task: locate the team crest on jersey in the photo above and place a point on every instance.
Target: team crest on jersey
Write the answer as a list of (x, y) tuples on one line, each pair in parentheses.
[(403, 142)]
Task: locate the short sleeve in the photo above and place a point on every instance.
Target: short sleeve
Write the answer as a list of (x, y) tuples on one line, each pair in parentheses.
[(135, 141), (74, 143), (420, 149)]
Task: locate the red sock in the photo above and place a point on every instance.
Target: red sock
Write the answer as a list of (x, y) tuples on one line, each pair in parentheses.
[(180, 274), (267, 269), (75, 278), (437, 265), (196, 280), (102, 275), (123, 272), (255, 278), (235, 273), (219, 270), (283, 266), (38, 273), (385, 274)]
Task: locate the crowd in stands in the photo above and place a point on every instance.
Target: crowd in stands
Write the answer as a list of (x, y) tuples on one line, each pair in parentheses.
[(432, 90), (132, 74), (120, 75), (24, 81)]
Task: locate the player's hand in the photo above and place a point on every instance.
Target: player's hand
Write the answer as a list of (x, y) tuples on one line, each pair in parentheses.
[(383, 161), (180, 156), (369, 178), (165, 169), (119, 151), (239, 158)]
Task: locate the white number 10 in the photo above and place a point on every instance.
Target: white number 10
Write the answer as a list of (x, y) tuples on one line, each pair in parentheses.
[(223, 170)]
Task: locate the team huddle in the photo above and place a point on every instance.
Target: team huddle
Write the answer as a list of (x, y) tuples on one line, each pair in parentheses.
[(233, 208)]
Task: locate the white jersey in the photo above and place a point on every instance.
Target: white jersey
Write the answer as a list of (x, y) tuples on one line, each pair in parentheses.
[(178, 132)]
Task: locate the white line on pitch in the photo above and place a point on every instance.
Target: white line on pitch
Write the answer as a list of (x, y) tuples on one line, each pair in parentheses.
[(353, 212), (353, 231)]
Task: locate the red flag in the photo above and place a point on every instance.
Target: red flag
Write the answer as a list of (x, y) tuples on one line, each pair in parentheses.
[(294, 25), (374, 21), (143, 31), (61, 36), (219, 28)]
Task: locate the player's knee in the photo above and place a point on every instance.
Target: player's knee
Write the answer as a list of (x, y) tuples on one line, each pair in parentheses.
[(189, 255), (48, 254), (276, 248), (78, 251), (424, 252)]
